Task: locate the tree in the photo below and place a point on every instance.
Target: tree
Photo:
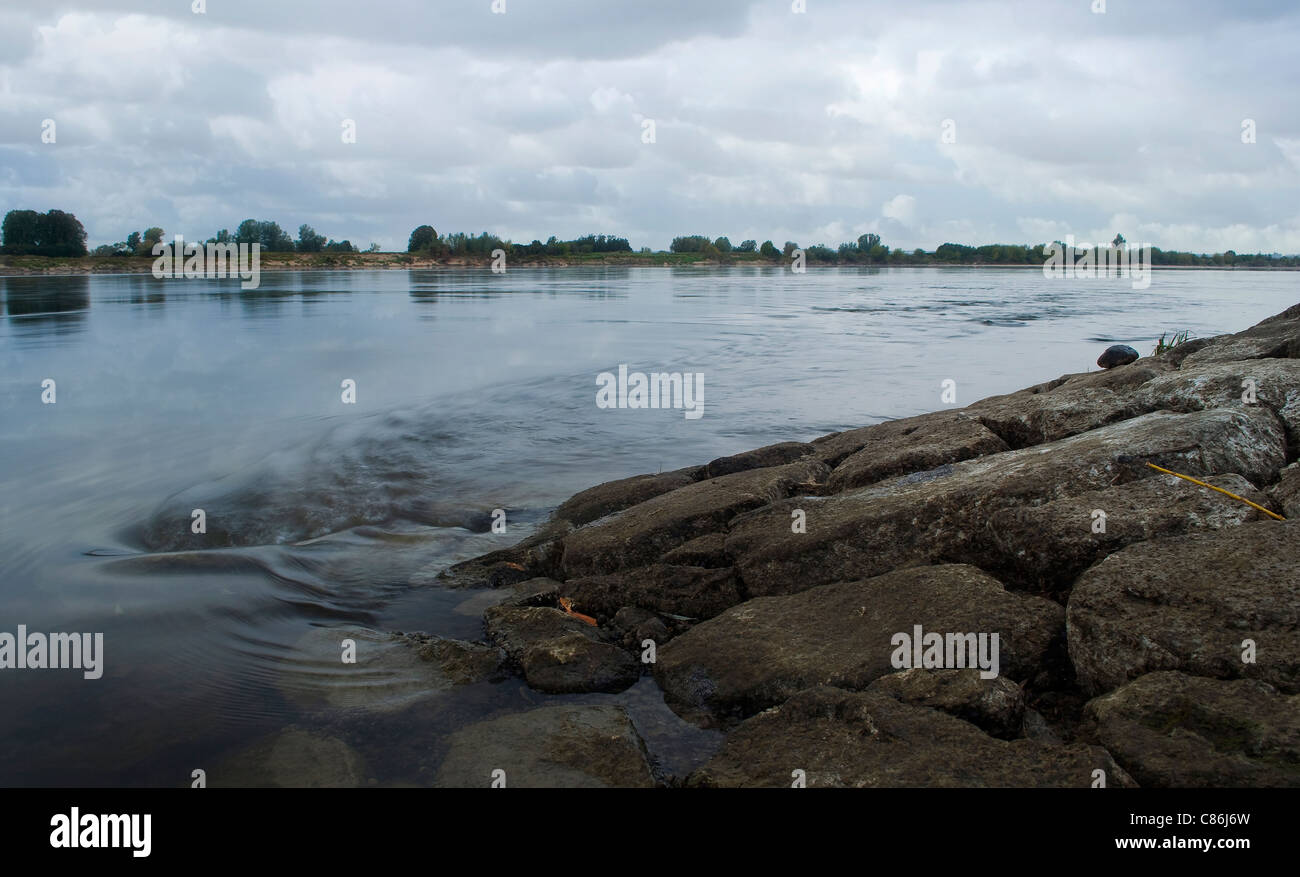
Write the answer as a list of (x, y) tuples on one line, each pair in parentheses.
[(722, 245), (422, 239), (133, 241), (1118, 242), (248, 232), (20, 231), (747, 247), (56, 233), (273, 238), (768, 250), (308, 240), (692, 243), (152, 237), (868, 242)]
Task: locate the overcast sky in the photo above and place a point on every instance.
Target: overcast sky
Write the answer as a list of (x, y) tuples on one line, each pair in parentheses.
[(813, 127)]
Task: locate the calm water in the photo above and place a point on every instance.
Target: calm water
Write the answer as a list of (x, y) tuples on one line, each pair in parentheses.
[(473, 392)]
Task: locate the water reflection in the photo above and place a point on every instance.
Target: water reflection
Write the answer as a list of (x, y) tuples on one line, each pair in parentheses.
[(42, 306)]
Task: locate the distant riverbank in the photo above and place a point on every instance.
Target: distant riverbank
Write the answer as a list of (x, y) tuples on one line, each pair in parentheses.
[(53, 265)]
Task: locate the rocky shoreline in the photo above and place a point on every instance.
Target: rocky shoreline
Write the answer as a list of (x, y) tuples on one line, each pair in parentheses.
[(1149, 628)]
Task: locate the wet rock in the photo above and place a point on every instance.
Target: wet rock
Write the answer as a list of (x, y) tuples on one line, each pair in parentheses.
[(760, 458), (574, 663), (1276, 337), (1189, 603), (848, 739), (1220, 385), (1044, 548), (1117, 354), (614, 496), (392, 671), (761, 652), (641, 534), (708, 550), (1035, 727), (1169, 729), (1066, 406), (292, 759), (1273, 383), (892, 449), (691, 591), (540, 591), (558, 653), (536, 555), (1179, 352), (945, 518), (460, 662), (996, 705), (638, 625), (552, 747), (1286, 493)]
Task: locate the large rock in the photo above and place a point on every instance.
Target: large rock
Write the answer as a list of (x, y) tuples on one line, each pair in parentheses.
[(692, 591), (761, 652), (843, 739), (759, 458), (538, 554), (943, 515), (1189, 603), (1169, 729), (896, 449), (1066, 406), (1286, 493), (614, 496), (641, 534), (1275, 383), (292, 759), (1276, 337), (558, 653), (1045, 547), (996, 705), (391, 671), (552, 747), (950, 428)]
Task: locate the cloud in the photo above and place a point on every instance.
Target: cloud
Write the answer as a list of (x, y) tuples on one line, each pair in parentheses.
[(901, 208), (769, 124)]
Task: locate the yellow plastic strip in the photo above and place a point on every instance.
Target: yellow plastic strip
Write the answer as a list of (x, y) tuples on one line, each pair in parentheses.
[(1274, 515)]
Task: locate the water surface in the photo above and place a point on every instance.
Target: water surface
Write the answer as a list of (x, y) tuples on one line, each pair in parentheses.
[(474, 391)]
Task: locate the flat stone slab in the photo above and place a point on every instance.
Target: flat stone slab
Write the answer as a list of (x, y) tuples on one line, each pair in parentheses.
[(1173, 730), (642, 533), (1190, 603), (763, 651), (944, 515), (551, 747), (843, 739)]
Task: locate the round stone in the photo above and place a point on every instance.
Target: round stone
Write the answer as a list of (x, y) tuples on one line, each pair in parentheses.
[(1119, 354)]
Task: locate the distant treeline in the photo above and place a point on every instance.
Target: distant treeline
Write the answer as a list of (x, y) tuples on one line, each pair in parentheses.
[(56, 233), (28, 233), (866, 250)]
